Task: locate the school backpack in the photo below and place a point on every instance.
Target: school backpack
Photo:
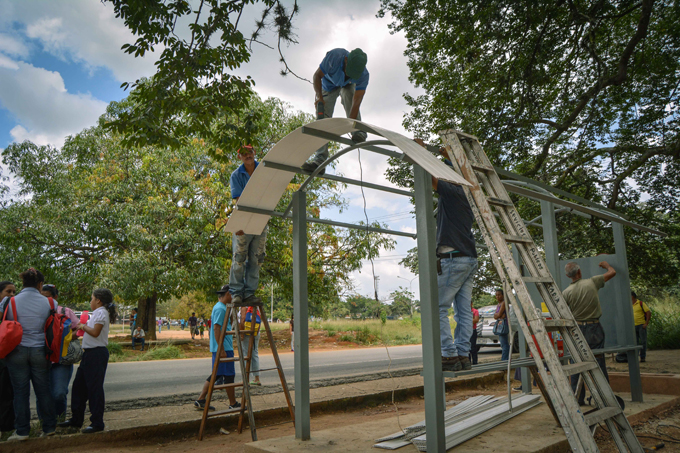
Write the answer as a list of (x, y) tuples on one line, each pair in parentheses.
[(57, 334), (11, 332), (249, 318)]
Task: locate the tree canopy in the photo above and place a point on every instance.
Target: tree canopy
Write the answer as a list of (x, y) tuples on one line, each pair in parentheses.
[(582, 95)]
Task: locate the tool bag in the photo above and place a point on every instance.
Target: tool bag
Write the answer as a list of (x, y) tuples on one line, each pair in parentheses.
[(11, 331), (58, 334), (249, 319)]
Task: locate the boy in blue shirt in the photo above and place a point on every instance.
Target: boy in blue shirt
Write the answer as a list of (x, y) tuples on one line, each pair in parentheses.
[(225, 371), (341, 73)]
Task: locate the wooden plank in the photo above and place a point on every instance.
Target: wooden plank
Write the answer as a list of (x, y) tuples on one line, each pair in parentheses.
[(579, 367), (559, 322), (482, 168), (601, 415)]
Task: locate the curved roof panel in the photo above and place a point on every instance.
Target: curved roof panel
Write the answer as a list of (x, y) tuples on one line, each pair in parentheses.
[(267, 185)]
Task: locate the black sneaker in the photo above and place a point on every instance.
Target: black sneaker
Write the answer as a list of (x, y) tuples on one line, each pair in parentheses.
[(311, 166), (199, 405), (236, 405), (451, 364)]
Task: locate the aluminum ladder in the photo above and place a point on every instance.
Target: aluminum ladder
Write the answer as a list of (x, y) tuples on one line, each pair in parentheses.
[(244, 362), (501, 226)]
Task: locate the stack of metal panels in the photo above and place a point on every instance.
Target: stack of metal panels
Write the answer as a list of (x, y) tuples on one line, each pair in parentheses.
[(470, 427), (487, 411)]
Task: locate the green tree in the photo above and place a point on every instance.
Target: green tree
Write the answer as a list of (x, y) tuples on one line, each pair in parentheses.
[(581, 95), (403, 303), (200, 44)]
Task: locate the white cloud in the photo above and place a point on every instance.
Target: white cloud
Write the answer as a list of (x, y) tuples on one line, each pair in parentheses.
[(82, 30), (45, 110), (13, 47)]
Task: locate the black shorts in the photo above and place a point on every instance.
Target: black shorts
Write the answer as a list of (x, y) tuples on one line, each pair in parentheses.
[(222, 379)]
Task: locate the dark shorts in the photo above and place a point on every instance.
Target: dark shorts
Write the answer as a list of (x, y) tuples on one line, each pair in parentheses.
[(224, 370)]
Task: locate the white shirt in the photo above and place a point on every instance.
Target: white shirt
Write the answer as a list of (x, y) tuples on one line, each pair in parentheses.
[(99, 316)]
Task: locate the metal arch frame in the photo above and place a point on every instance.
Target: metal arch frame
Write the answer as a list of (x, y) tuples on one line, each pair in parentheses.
[(432, 372)]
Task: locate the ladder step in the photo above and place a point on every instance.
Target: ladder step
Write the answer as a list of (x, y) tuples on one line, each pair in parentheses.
[(263, 369), (517, 239), (232, 359), (579, 367), (225, 412), (498, 201), (480, 167), (226, 386), (530, 279), (559, 322), (601, 415)]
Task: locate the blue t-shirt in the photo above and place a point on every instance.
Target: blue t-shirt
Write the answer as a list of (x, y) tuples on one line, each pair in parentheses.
[(333, 68), (134, 321), (239, 179), (218, 313)]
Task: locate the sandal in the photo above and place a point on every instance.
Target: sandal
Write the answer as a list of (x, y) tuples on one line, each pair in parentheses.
[(256, 383)]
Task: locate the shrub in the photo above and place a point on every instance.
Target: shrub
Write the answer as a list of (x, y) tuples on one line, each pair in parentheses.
[(162, 353), (364, 335), (346, 337), (663, 331), (114, 348), (330, 331)]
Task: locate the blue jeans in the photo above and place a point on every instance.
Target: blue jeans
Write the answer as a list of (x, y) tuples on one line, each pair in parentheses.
[(455, 287), (248, 256), (505, 346), (346, 95), (26, 366), (137, 340), (61, 378)]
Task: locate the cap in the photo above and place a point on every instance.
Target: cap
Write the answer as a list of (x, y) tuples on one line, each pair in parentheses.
[(246, 149), (223, 290), (356, 63)]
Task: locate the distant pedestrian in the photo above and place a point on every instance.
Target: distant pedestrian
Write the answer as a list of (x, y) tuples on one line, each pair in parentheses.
[(473, 340), (160, 325), (88, 385), (225, 371), (7, 290), (642, 315), (181, 323), (201, 329), (27, 363), (193, 323), (138, 337), (501, 328), (133, 320), (292, 337), (209, 324)]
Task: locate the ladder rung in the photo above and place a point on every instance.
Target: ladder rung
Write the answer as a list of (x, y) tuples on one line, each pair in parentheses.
[(579, 367), (529, 279), (228, 411), (232, 359), (480, 167), (518, 239), (498, 201), (226, 386), (601, 415), (559, 322), (264, 369)]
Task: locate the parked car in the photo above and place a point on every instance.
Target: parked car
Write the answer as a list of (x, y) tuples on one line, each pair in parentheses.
[(485, 335)]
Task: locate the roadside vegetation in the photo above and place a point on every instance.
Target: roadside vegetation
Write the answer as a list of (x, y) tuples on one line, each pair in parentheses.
[(163, 351), (663, 331)]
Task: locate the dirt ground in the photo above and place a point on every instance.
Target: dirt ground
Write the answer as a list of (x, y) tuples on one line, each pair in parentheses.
[(650, 433), (658, 361)]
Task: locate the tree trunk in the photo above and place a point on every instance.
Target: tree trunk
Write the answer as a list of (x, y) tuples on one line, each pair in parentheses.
[(146, 316)]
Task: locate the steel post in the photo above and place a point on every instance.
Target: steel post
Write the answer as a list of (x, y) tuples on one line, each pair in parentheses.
[(525, 374), (301, 329), (626, 318), (429, 305), (552, 257)]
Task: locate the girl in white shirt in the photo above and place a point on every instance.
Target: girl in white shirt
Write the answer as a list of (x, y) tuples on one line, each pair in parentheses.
[(88, 384)]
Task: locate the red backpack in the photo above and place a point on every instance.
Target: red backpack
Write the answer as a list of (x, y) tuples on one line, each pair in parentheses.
[(10, 331), (57, 333)]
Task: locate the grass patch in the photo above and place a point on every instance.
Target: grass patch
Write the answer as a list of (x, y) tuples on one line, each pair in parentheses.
[(114, 348), (372, 331), (663, 331), (166, 352)]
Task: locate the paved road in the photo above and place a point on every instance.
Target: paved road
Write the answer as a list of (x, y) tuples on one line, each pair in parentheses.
[(160, 378)]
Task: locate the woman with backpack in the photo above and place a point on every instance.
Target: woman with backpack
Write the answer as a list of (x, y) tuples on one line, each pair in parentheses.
[(60, 373), (89, 382), (28, 362), (7, 289)]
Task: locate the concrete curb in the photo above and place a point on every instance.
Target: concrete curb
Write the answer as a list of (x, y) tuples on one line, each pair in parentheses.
[(266, 417)]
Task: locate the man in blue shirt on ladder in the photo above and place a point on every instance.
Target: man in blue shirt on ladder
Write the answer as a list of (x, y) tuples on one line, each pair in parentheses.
[(341, 73)]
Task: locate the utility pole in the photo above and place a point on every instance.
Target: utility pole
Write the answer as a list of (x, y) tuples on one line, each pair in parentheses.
[(409, 290), (272, 305)]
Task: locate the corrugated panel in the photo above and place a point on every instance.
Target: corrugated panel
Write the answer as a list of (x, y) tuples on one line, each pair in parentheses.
[(267, 185)]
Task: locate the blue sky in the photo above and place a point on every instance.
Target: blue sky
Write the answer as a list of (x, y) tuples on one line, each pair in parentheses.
[(61, 64)]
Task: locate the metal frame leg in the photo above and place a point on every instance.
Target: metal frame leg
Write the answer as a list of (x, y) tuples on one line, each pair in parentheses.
[(301, 332), (429, 296)]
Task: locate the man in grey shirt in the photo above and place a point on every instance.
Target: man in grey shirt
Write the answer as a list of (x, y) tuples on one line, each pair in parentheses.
[(28, 362)]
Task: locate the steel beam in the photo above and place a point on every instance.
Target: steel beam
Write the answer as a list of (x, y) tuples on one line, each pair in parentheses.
[(627, 319), (346, 141), (429, 306), (300, 310), (550, 241)]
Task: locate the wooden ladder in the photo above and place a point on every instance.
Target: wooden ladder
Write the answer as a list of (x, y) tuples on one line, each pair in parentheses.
[(500, 226), (244, 361)]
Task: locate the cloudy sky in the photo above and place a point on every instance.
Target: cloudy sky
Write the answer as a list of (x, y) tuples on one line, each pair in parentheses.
[(61, 64)]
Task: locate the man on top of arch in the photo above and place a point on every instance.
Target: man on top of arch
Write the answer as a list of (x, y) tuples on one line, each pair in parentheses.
[(341, 73)]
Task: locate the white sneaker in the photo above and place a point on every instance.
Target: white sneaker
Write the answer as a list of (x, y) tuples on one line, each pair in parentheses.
[(16, 436)]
